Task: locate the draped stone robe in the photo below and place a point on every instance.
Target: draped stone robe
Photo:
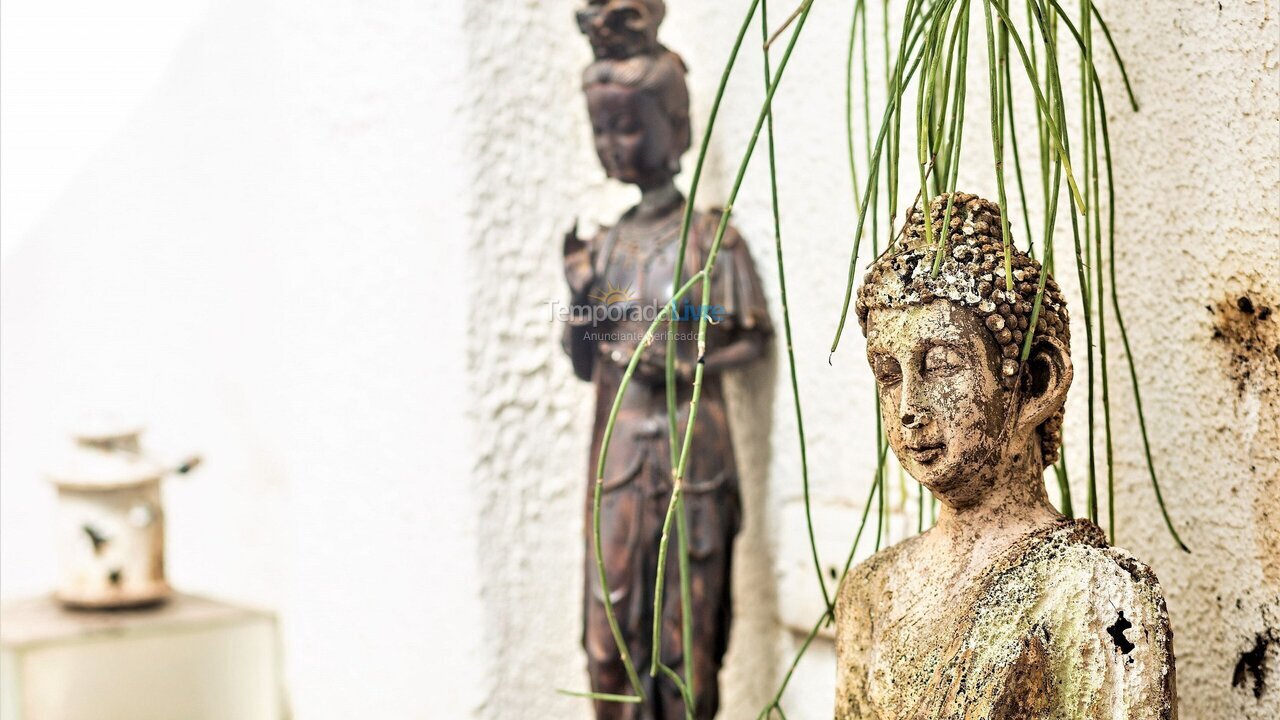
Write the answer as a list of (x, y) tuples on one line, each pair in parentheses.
[(1060, 626)]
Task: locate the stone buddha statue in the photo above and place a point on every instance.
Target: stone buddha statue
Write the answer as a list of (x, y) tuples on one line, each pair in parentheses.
[(1005, 609)]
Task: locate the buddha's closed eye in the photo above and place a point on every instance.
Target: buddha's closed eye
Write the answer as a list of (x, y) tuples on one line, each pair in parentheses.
[(941, 359), (886, 368)]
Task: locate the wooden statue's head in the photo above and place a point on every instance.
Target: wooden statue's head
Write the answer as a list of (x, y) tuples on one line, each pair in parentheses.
[(639, 111), (622, 28)]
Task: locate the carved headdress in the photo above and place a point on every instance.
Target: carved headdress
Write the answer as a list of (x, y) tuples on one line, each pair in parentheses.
[(621, 29), (624, 37), (971, 275)]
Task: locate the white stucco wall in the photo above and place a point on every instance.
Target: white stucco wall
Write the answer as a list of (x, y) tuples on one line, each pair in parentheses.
[(322, 250), (1201, 168)]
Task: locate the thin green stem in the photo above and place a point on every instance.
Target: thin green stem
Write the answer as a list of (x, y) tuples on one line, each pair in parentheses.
[(703, 323), (872, 178), (866, 509), (957, 140), (1064, 482), (1091, 160), (672, 413), (882, 508), (776, 702), (709, 266), (660, 580), (606, 697), (926, 150), (828, 616), (1007, 75), (682, 687), (1041, 133), (687, 219), (920, 514), (1106, 31), (848, 100), (1055, 128), (940, 149), (997, 141), (1055, 85), (686, 605), (1044, 272), (894, 101), (597, 500), (1115, 299), (896, 88)]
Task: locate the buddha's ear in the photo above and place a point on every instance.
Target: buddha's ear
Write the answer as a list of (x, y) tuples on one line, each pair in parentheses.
[(1045, 380)]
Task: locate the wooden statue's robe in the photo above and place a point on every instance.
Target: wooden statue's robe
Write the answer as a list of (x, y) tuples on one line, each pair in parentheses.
[(638, 471)]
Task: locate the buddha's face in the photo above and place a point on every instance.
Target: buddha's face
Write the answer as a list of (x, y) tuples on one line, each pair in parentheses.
[(941, 399), (634, 139)]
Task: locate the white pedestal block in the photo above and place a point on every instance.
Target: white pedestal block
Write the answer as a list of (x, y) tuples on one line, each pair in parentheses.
[(189, 659)]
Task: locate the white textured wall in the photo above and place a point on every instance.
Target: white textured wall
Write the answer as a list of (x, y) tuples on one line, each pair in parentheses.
[(323, 251), (1200, 168)]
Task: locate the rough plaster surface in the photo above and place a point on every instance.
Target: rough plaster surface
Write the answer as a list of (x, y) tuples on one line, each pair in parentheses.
[(283, 229), (1202, 210)]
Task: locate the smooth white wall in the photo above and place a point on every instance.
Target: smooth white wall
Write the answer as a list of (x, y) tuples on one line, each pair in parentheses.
[(267, 265), (71, 74)]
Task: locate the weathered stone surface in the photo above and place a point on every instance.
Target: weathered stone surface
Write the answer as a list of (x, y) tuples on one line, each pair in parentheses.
[(1059, 626), (1004, 610)]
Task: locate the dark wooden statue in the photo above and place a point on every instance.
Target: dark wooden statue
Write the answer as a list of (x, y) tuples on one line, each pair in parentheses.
[(619, 279)]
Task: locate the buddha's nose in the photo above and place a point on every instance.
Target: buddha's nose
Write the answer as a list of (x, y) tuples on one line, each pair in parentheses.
[(915, 419), (912, 412)]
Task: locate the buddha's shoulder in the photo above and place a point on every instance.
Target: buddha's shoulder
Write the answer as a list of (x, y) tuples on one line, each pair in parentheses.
[(1080, 543), (1075, 562), (873, 580)]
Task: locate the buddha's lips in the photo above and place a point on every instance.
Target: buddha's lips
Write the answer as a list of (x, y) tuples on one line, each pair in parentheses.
[(926, 453)]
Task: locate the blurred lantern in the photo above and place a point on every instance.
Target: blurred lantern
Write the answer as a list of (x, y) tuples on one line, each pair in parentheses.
[(110, 526)]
